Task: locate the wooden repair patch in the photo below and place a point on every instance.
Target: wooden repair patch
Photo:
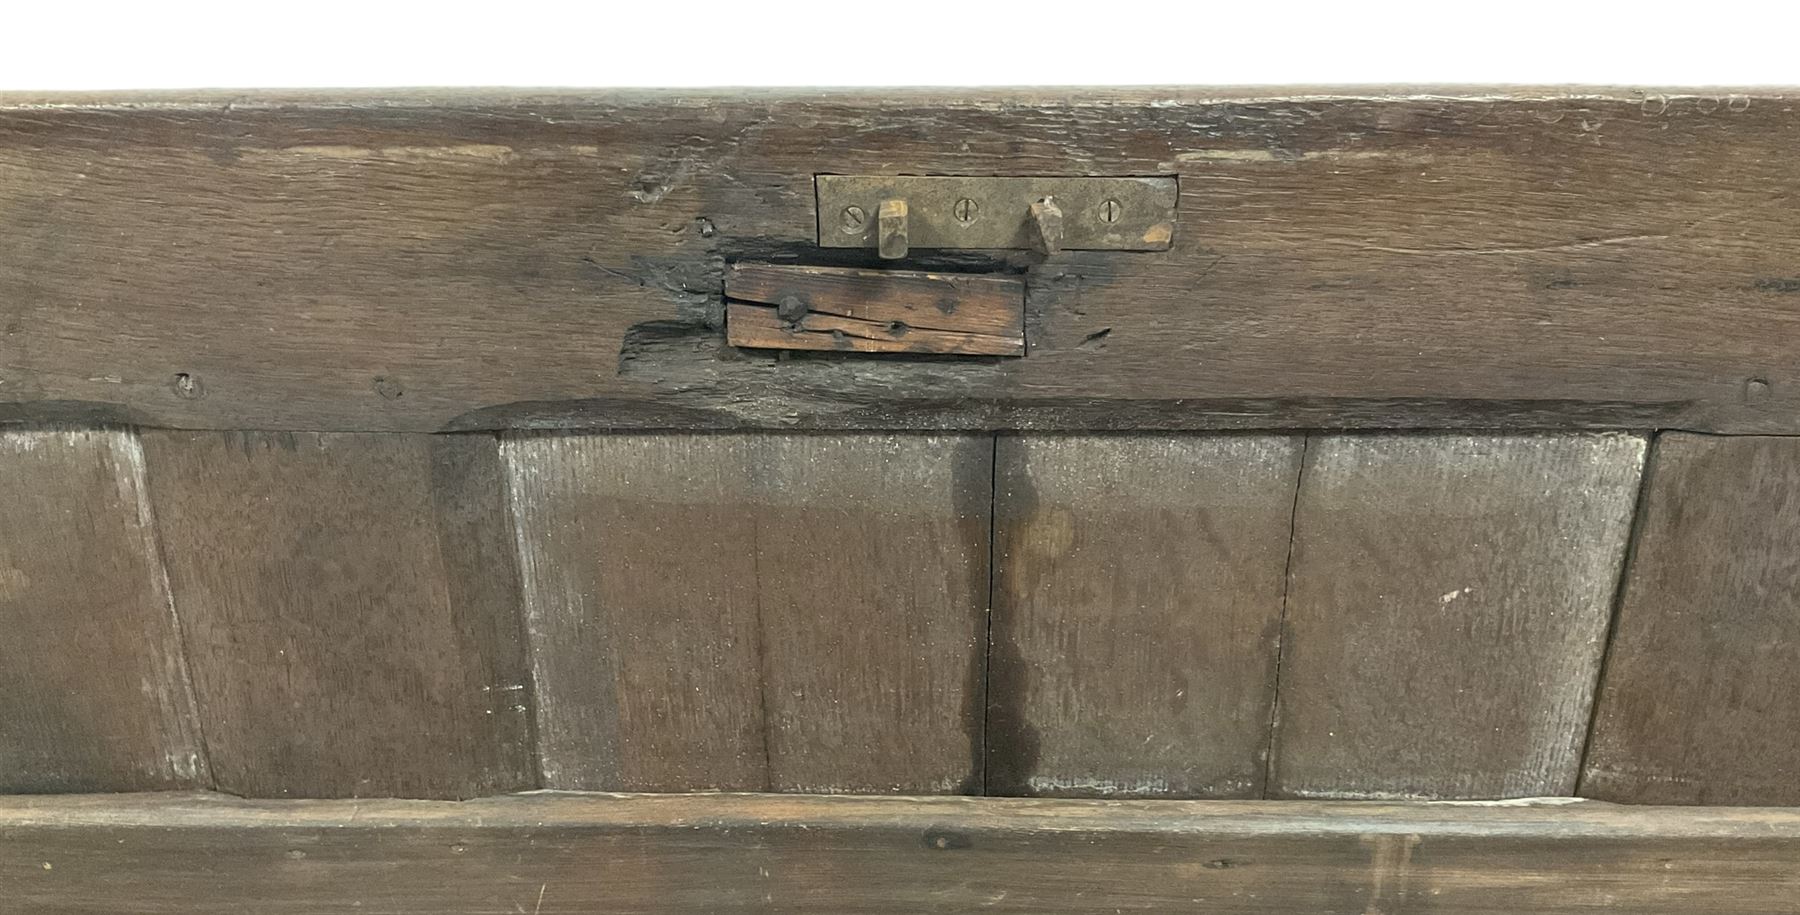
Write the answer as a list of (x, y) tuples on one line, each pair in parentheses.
[(874, 311)]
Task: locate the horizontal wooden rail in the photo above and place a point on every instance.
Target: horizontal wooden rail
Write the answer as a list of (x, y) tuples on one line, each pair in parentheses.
[(1369, 258), (548, 853)]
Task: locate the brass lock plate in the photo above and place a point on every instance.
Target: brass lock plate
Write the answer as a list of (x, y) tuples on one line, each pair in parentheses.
[(1096, 214)]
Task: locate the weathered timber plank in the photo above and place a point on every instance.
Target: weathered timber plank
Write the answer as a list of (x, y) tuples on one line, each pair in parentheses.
[(1369, 258), (760, 327), (965, 303), (640, 596), (793, 613), (1138, 594), (352, 611), (1700, 703), (94, 692), (1447, 607), (559, 854)]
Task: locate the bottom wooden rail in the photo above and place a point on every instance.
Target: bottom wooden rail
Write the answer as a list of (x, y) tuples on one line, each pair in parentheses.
[(542, 853)]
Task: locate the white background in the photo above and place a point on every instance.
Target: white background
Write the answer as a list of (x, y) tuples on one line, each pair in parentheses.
[(331, 43)]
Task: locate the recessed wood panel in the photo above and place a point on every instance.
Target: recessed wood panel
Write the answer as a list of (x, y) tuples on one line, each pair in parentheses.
[(1701, 699), (351, 605), (94, 692), (1448, 601), (791, 613), (1137, 602)]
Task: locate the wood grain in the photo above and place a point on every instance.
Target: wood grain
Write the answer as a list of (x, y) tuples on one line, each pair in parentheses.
[(1447, 604), (961, 313), (760, 327), (352, 611), (1470, 258), (1701, 699), (1138, 596), (640, 595), (745, 612), (562, 854), (94, 691)]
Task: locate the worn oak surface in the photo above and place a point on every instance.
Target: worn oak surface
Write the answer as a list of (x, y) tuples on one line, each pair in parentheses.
[(794, 613), (367, 615), (1701, 699), (876, 311), (94, 692), (1447, 605), (551, 854), (758, 327), (1138, 588), (1367, 258), (351, 611), (641, 602)]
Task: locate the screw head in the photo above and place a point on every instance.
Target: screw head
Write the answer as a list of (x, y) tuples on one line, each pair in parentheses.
[(855, 219), (965, 210), (1756, 391), (1111, 210)]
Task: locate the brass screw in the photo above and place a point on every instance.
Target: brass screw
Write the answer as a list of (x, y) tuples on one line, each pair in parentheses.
[(1111, 210), (855, 220), (965, 210)]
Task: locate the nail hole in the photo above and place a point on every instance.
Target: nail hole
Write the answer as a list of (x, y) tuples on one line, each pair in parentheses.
[(187, 387), (946, 840)]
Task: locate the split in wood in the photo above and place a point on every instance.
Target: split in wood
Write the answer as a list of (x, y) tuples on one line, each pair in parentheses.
[(874, 311)]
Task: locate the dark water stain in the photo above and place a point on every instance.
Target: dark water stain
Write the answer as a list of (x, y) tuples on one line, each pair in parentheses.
[(972, 481), (1013, 744)]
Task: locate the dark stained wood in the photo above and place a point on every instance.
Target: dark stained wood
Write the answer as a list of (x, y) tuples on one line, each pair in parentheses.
[(351, 608), (892, 311), (971, 303), (745, 612), (1447, 604), (1701, 699), (1498, 259), (1138, 595), (564, 854), (760, 327), (94, 692)]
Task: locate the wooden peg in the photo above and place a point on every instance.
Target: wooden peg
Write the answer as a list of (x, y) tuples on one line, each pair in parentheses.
[(890, 226), (1047, 220)]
